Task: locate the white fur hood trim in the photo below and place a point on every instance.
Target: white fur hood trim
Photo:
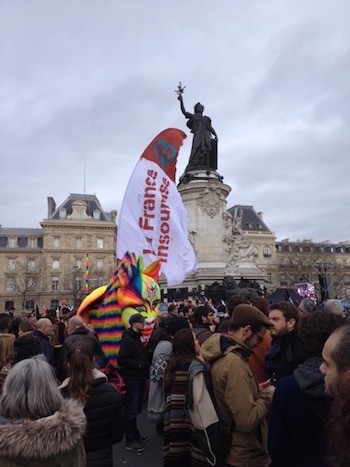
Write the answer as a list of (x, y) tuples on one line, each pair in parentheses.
[(45, 437)]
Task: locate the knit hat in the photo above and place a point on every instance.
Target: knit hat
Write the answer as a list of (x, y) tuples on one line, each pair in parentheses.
[(136, 318), (245, 314), (175, 324)]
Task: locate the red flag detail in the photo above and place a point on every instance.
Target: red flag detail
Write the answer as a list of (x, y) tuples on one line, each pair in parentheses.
[(164, 149)]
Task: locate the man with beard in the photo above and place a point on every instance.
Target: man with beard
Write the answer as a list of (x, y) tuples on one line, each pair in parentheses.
[(286, 352), (336, 371), (241, 403)]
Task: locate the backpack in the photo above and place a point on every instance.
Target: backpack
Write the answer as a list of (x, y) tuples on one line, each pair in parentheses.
[(214, 442)]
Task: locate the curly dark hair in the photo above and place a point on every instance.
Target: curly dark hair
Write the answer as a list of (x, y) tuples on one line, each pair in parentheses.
[(315, 329), (26, 346), (339, 424)]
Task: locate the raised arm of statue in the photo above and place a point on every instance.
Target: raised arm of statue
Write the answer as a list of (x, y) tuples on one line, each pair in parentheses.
[(182, 107)]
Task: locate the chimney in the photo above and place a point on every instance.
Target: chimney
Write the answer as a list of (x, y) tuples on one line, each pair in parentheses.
[(261, 215), (51, 206)]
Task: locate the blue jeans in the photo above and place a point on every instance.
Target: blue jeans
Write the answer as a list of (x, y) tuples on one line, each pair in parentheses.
[(132, 407)]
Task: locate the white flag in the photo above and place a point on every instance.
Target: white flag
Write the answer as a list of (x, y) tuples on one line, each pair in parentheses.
[(153, 219)]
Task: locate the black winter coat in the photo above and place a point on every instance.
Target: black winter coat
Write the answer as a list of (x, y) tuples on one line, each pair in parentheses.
[(45, 345), (103, 411), (284, 356), (133, 356)]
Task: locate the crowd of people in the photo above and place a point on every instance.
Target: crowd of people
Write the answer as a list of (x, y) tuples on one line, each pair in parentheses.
[(276, 376)]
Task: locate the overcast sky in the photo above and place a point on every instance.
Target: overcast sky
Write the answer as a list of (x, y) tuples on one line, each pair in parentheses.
[(95, 79)]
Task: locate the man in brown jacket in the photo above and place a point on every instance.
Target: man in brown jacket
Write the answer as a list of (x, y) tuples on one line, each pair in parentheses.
[(242, 404)]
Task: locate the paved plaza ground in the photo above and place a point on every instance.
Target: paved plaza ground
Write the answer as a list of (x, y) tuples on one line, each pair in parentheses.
[(152, 456)]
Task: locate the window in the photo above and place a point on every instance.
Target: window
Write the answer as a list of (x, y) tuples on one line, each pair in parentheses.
[(9, 305), (100, 243), (80, 213), (78, 283), (62, 213), (54, 284), (56, 242), (54, 304), (11, 264), (283, 279), (266, 252), (32, 242), (31, 264), (55, 264), (78, 263), (30, 284), (99, 264), (249, 225), (10, 284), (96, 214), (29, 305), (79, 242), (12, 242)]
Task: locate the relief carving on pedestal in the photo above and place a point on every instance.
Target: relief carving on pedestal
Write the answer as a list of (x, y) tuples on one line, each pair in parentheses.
[(211, 201), (241, 251)]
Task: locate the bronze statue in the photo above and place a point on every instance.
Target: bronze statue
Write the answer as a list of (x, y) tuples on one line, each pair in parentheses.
[(204, 144)]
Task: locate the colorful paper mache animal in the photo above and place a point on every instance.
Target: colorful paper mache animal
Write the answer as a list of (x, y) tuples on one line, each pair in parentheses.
[(132, 289)]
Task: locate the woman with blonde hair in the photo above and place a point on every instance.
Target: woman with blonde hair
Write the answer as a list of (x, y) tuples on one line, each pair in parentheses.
[(37, 427)]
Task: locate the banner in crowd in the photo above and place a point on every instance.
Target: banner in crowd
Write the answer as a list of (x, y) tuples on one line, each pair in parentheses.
[(153, 219)]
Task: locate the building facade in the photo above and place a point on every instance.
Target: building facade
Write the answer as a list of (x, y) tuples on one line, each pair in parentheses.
[(40, 268), (75, 250)]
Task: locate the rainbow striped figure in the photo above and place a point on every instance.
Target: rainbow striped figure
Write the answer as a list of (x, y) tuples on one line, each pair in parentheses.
[(132, 289)]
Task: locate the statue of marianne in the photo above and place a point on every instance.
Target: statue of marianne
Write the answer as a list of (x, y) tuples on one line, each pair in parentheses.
[(204, 144)]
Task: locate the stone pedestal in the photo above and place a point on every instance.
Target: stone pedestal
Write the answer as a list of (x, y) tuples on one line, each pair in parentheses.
[(204, 196)]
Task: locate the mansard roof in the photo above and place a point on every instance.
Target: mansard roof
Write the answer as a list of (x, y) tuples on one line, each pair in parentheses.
[(250, 219), (91, 201), (21, 234)]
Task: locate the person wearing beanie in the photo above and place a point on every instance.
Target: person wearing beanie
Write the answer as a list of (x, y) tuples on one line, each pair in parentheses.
[(241, 403), (133, 358), (156, 401)]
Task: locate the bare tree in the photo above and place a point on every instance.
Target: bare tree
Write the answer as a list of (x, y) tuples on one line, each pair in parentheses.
[(28, 280), (322, 270), (74, 286)]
